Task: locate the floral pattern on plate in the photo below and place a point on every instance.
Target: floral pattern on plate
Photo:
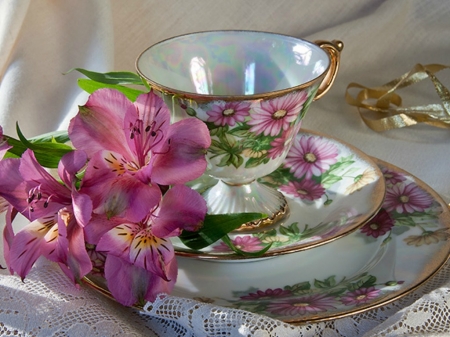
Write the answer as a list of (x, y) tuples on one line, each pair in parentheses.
[(407, 206), (310, 298), (397, 250), (331, 189)]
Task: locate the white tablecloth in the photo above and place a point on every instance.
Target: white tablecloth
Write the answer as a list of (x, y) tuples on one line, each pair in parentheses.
[(41, 40)]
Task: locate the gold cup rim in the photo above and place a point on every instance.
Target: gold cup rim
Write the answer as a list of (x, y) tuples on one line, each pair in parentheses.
[(209, 98)]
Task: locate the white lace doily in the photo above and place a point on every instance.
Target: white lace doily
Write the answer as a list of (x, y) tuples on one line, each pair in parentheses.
[(47, 304)]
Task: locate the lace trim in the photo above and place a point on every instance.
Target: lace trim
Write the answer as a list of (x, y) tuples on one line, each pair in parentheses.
[(48, 304)]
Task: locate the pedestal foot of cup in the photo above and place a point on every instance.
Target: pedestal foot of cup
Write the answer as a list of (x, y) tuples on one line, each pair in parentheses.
[(253, 197)]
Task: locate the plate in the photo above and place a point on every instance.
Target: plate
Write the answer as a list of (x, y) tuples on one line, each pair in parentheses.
[(332, 189), (391, 255)]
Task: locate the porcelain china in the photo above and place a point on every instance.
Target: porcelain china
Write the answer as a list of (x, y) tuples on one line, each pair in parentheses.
[(252, 89), (332, 189), (404, 245), (400, 248)]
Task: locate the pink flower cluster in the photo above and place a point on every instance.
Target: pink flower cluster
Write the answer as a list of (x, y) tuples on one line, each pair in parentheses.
[(111, 194)]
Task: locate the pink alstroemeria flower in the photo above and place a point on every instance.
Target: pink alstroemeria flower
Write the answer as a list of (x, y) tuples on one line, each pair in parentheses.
[(57, 213), (4, 146), (140, 261), (133, 148)]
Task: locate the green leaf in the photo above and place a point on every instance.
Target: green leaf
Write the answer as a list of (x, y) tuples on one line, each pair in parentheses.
[(331, 281), (369, 281), (366, 281), (281, 176), (299, 287), (48, 154), (327, 283), (191, 112), (90, 86), (216, 146), (241, 127), (228, 139), (17, 147), (253, 162), (213, 128), (398, 229), (116, 77), (216, 150), (329, 180), (386, 241), (215, 227), (329, 201), (216, 143), (226, 239), (225, 160), (335, 172), (236, 160), (267, 234), (404, 221), (288, 231), (337, 292), (239, 133), (45, 147), (294, 228), (54, 136)]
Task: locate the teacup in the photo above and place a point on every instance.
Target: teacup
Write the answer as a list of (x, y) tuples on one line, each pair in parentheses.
[(252, 89)]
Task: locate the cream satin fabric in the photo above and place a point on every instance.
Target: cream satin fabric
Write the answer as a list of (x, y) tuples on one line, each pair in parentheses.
[(42, 39), (39, 42)]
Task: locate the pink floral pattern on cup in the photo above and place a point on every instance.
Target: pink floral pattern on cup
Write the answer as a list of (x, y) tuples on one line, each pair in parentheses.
[(228, 113), (272, 116), (252, 134)]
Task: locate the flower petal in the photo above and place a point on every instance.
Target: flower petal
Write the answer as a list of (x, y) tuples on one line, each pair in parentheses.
[(151, 253), (99, 123), (12, 186), (185, 157), (129, 198), (130, 284), (98, 226), (29, 244), (4, 146), (158, 285), (78, 263), (181, 208), (31, 170), (69, 165), (82, 208), (127, 283), (146, 126), (8, 235), (118, 240), (115, 195), (49, 195), (152, 108)]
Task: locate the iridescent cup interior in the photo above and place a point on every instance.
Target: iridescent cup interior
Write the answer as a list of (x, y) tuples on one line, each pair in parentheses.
[(232, 63)]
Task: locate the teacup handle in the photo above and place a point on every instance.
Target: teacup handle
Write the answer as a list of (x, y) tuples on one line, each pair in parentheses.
[(333, 49)]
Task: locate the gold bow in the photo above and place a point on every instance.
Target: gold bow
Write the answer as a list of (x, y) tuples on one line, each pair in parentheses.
[(387, 112)]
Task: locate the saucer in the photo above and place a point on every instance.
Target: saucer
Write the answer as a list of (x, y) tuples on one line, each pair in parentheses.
[(331, 188), (405, 244)]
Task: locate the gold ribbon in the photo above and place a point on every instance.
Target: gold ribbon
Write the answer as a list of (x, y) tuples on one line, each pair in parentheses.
[(386, 113)]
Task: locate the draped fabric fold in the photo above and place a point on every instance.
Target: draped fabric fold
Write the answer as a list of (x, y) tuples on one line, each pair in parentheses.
[(13, 15)]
